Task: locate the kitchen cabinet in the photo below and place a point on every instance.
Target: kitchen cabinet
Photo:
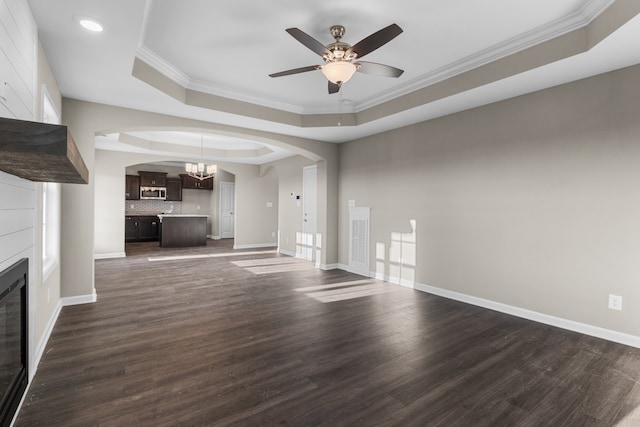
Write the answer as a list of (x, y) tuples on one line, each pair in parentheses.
[(139, 228), (174, 190), (153, 179), (183, 230), (196, 184), (132, 187)]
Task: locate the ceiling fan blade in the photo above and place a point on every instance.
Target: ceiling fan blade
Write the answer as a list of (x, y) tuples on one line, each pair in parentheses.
[(378, 69), (333, 88), (295, 71), (308, 41), (375, 40)]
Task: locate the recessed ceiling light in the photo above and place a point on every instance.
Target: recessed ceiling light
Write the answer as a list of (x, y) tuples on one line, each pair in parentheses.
[(90, 24)]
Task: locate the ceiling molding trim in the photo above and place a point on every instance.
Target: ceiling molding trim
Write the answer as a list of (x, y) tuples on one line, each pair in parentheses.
[(152, 146), (557, 28), (559, 40), (207, 87), (167, 69), (550, 31)]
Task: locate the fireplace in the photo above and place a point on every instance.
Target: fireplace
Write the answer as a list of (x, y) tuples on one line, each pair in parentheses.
[(13, 338)]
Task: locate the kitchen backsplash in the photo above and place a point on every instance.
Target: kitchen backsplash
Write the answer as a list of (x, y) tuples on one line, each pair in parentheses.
[(152, 206)]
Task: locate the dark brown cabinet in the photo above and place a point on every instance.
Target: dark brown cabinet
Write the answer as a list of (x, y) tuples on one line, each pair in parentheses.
[(153, 179), (174, 190), (141, 228), (132, 187), (196, 184)]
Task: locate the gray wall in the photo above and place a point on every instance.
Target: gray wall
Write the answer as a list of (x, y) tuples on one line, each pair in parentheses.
[(532, 202), (290, 213)]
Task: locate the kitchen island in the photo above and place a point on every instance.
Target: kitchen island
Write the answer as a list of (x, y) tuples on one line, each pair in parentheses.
[(178, 230)]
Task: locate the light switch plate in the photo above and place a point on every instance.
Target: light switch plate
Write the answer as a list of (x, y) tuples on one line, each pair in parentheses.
[(615, 302)]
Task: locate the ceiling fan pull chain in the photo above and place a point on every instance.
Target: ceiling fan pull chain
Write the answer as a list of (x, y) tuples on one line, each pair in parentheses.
[(340, 108)]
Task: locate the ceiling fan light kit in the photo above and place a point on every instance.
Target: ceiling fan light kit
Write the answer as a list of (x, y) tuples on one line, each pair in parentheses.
[(340, 57), (339, 72)]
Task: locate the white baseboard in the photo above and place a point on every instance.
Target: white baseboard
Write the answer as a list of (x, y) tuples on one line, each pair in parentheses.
[(80, 299), (356, 271), (39, 351), (213, 237), (64, 302), (256, 245), (109, 256), (570, 325), (583, 328), (318, 265)]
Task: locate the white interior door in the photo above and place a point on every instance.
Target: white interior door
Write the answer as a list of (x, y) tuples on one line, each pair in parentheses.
[(227, 208), (359, 219), (306, 244)]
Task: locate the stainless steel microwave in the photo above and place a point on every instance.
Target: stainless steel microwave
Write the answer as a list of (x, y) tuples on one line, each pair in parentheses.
[(153, 193)]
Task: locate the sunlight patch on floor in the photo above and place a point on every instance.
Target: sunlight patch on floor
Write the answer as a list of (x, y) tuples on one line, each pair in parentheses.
[(274, 265), (334, 285), (201, 256), (268, 261), (346, 290)]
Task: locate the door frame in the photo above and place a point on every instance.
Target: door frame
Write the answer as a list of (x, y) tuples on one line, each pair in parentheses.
[(305, 253)]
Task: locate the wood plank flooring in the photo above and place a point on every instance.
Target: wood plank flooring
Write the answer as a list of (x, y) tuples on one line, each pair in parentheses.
[(216, 337)]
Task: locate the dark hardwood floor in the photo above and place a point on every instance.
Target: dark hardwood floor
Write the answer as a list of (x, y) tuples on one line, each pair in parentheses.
[(217, 337)]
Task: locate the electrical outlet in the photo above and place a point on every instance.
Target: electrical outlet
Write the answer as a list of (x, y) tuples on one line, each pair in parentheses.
[(273, 234), (615, 302)]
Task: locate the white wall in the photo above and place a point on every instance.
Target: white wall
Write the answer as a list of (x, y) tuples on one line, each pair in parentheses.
[(18, 42), (47, 293), (532, 202), (17, 222), (23, 72)]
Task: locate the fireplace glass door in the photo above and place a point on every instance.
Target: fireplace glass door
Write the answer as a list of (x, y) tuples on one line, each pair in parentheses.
[(13, 339)]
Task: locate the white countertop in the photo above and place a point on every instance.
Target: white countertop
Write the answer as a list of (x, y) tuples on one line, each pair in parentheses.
[(182, 216)]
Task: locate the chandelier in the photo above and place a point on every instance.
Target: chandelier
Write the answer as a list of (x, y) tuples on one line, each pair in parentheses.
[(200, 170)]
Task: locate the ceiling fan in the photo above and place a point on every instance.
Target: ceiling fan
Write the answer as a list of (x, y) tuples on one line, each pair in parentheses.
[(341, 59)]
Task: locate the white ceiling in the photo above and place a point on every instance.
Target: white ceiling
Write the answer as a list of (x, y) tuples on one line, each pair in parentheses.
[(230, 48)]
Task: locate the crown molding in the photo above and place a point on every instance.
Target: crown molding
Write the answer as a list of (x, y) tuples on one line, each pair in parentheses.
[(554, 29), (170, 71), (164, 67), (326, 115), (559, 27)]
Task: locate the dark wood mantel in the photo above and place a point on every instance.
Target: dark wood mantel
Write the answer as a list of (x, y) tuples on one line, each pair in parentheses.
[(40, 152)]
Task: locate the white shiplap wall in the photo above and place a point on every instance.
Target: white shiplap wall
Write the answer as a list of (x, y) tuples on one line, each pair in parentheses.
[(17, 213), (18, 43), (18, 72)]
